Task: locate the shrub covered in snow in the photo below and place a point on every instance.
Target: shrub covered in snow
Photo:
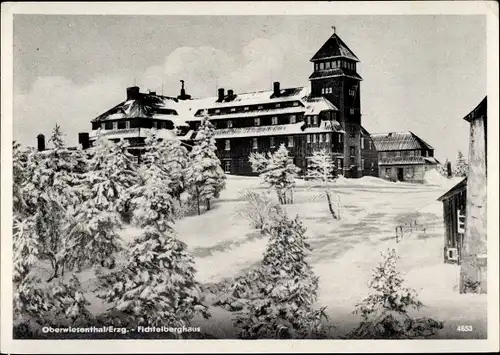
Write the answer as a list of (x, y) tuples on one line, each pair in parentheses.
[(278, 171), (275, 300), (384, 312), (259, 209), (156, 286), (205, 178)]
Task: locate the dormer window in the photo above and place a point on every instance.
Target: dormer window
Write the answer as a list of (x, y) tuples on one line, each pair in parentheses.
[(278, 105), (327, 65), (233, 109), (316, 66), (315, 120), (321, 66), (293, 119), (256, 121), (274, 120), (155, 124), (308, 120), (227, 144), (127, 124), (295, 103), (217, 111), (229, 124), (103, 125), (246, 108), (260, 107)]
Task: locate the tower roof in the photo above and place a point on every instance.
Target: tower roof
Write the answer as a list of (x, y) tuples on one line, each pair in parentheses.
[(334, 47)]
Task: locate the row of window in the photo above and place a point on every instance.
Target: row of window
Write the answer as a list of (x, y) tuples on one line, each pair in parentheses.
[(229, 110), (404, 153), (255, 143), (334, 64), (115, 125), (363, 143), (311, 121), (408, 172)]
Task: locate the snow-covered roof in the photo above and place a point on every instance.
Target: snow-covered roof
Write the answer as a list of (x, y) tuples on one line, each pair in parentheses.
[(415, 160), (398, 141), (458, 188), (253, 113), (334, 47), (132, 133)]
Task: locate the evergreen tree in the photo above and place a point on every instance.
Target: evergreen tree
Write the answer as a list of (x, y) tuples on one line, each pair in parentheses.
[(385, 311), (107, 187), (278, 171), (156, 286), (204, 176), (57, 137), (461, 166), (275, 300)]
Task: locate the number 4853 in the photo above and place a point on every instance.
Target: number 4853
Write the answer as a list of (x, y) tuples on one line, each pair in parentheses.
[(464, 328)]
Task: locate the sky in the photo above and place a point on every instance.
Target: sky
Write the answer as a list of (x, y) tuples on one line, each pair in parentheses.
[(421, 73)]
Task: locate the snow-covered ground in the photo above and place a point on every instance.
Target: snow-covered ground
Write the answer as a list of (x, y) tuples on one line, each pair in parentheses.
[(344, 251)]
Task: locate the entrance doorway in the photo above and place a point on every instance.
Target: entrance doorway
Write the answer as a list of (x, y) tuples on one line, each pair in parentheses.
[(400, 174)]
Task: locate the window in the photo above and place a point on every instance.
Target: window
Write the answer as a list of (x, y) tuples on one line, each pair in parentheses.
[(155, 124), (351, 111), (352, 150), (121, 125), (227, 145), (352, 131), (227, 166), (340, 138), (321, 66), (320, 138), (327, 65), (229, 124), (293, 119), (260, 107), (290, 141), (387, 172), (308, 137), (246, 108), (308, 120), (323, 91), (363, 164), (369, 144), (217, 111), (418, 153), (409, 172), (109, 125), (254, 143), (327, 137), (314, 138), (274, 120), (315, 120), (316, 66), (278, 105), (426, 153), (411, 153), (335, 64), (295, 103), (256, 121), (233, 109), (271, 142), (352, 92), (162, 125), (103, 125), (362, 143), (115, 125), (127, 124)]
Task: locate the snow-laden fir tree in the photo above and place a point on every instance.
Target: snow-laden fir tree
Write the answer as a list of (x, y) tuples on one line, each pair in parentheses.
[(321, 172), (278, 171), (461, 166), (108, 184), (385, 311), (275, 300), (205, 178), (57, 137)]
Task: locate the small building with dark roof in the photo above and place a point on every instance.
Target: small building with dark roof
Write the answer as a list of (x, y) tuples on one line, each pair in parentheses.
[(454, 211), (403, 156)]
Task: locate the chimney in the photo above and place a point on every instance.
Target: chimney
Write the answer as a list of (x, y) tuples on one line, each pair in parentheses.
[(220, 97), (41, 142), (230, 93), (83, 139), (448, 170), (183, 95), (152, 93), (133, 93), (276, 88)]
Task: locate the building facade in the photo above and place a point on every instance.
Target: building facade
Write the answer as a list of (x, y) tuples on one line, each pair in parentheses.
[(474, 260), (403, 156), (325, 115)]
